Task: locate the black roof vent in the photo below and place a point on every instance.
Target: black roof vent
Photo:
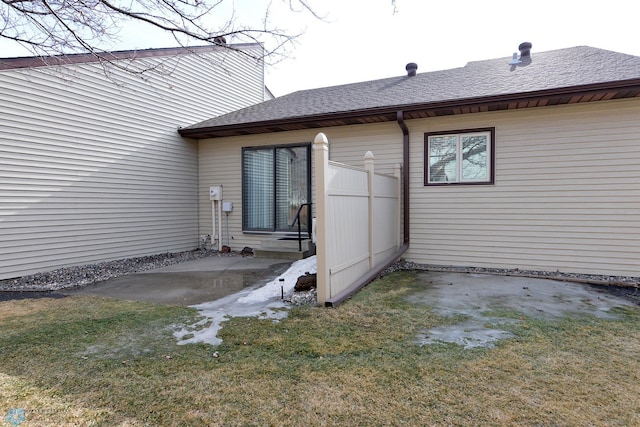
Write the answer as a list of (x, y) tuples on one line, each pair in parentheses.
[(411, 68), (525, 49)]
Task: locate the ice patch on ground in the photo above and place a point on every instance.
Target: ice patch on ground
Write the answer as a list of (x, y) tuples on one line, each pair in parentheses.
[(263, 302), (474, 297), (470, 334)]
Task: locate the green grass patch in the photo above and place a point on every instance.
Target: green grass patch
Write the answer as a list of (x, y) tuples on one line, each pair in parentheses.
[(97, 361)]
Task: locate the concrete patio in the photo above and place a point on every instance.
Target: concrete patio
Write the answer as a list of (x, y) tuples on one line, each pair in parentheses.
[(189, 283)]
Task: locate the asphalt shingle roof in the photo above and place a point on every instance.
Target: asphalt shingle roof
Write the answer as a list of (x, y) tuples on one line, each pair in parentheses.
[(570, 67)]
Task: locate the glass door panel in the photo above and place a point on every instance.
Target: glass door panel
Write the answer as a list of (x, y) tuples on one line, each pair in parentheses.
[(275, 182)]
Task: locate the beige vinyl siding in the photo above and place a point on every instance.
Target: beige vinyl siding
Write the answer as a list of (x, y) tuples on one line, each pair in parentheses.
[(348, 145), (566, 194), (91, 165)]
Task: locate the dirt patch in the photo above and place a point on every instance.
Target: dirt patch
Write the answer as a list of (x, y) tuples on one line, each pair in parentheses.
[(627, 292)]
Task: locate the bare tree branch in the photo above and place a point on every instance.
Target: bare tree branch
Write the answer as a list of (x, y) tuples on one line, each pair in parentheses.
[(63, 27), (438, 169)]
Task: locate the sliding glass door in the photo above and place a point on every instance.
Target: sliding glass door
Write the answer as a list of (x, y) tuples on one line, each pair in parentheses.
[(276, 181)]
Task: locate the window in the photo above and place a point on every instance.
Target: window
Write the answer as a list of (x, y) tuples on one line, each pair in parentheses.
[(460, 157), (275, 182)]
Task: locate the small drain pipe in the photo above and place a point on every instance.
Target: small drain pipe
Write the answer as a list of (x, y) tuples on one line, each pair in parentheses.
[(371, 275)]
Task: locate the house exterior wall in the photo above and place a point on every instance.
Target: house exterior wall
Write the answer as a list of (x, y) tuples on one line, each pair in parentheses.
[(566, 194), (91, 165)]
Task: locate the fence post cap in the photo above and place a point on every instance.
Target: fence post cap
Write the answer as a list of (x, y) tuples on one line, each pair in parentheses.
[(320, 138)]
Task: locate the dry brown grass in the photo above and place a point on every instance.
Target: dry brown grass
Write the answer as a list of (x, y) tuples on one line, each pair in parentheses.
[(91, 361), (27, 307)]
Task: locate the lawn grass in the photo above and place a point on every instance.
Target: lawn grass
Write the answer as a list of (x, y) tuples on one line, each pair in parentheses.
[(95, 361)]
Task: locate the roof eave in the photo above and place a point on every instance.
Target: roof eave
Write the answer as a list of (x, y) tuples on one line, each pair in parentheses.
[(566, 95)]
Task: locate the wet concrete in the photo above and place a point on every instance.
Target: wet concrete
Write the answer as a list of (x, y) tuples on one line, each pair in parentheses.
[(188, 283), (480, 302)]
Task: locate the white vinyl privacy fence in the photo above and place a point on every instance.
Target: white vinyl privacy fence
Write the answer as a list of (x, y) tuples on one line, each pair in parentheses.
[(358, 220)]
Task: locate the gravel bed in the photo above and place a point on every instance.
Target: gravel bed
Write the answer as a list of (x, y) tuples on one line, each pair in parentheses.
[(303, 298), (71, 277)]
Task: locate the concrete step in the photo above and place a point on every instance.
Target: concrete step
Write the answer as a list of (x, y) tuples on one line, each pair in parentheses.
[(280, 254), (285, 244), (286, 248)]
